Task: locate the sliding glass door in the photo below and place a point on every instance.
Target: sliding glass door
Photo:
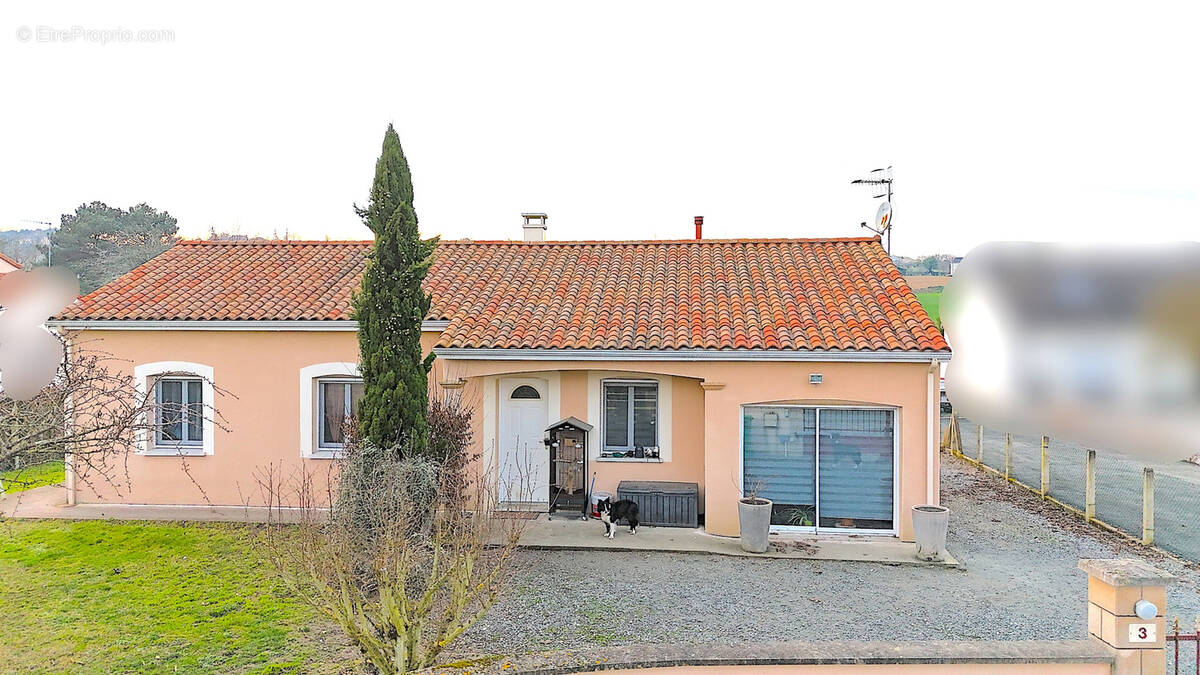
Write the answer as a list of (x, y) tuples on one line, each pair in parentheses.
[(824, 468)]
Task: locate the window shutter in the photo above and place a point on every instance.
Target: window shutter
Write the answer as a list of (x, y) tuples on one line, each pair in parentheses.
[(616, 416), (170, 410), (333, 411), (645, 416), (195, 411)]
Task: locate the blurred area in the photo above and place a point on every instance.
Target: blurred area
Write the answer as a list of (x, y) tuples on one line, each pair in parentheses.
[(1100, 345), (29, 353)]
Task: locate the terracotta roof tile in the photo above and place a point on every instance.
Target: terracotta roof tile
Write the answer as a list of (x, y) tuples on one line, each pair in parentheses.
[(693, 294)]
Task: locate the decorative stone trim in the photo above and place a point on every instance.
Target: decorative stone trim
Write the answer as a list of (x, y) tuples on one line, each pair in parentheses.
[(144, 373), (1125, 572), (309, 448)]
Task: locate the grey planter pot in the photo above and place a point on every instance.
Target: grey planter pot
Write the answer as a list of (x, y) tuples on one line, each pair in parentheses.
[(930, 523), (754, 522)]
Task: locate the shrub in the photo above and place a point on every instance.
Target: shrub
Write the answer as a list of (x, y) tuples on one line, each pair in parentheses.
[(413, 552)]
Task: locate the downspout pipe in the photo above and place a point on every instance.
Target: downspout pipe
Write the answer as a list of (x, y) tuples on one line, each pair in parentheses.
[(933, 381)]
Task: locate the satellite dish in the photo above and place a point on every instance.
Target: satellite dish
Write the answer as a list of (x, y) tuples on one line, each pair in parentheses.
[(883, 217)]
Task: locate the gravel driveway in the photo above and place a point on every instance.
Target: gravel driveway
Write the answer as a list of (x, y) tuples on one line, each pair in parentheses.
[(1019, 581)]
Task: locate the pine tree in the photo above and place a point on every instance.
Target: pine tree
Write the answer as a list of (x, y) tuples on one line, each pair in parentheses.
[(100, 243), (389, 308)]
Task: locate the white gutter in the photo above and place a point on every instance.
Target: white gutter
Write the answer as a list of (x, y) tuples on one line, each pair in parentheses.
[(333, 325), (520, 354), (850, 356)]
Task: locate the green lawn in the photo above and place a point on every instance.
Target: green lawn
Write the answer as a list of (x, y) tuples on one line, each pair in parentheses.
[(105, 597), (46, 473), (931, 301)]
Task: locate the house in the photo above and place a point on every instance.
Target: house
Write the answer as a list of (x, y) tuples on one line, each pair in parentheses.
[(1097, 344), (805, 367), (7, 264)]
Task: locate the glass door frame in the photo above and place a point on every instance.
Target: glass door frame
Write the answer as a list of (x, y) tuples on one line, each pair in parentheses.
[(815, 528)]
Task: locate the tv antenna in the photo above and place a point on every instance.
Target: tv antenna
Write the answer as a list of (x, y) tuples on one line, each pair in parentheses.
[(880, 182), (46, 240)]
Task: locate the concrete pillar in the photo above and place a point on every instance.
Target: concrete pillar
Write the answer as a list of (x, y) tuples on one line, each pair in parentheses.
[(1117, 589)]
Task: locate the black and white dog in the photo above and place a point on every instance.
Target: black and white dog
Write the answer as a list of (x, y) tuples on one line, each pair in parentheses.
[(613, 512)]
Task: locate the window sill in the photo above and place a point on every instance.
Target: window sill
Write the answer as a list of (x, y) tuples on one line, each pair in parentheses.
[(644, 460), (174, 452), (325, 454)]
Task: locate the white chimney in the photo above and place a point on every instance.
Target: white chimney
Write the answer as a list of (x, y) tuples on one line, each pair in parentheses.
[(535, 226)]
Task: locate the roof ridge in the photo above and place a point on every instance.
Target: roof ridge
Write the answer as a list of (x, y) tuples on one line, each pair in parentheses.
[(273, 242), (554, 242), (637, 242)]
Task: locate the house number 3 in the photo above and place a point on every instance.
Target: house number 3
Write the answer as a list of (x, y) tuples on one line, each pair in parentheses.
[(1142, 632)]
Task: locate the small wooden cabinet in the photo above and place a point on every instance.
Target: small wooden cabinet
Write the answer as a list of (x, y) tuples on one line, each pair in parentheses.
[(567, 441)]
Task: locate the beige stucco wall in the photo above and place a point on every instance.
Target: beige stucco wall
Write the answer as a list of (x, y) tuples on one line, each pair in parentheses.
[(261, 371), (709, 415), (260, 374)]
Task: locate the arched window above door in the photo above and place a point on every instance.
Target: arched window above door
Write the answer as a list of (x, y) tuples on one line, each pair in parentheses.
[(525, 391)]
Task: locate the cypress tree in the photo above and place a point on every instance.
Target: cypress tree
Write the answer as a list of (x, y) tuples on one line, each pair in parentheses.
[(389, 308)]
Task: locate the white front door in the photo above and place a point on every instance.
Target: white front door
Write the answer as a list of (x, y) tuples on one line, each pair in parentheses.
[(524, 471)]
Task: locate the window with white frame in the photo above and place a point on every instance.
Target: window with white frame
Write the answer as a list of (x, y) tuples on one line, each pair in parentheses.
[(337, 401), (630, 419), (179, 412), (181, 422)]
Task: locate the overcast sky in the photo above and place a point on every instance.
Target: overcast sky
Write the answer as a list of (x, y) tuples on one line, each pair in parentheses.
[(620, 120)]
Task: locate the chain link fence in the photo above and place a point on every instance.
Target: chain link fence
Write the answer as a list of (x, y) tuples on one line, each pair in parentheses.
[(1120, 485), (1177, 516), (1119, 493)]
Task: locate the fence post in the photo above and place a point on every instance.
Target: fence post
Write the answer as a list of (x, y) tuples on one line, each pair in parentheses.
[(979, 443), (1089, 486), (1148, 507), (1007, 455), (1045, 466)]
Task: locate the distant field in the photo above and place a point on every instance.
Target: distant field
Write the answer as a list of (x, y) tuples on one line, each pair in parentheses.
[(923, 282), (931, 303)]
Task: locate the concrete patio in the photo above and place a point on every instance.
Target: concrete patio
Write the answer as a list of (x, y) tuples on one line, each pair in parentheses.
[(541, 533), (575, 534), (51, 502)]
